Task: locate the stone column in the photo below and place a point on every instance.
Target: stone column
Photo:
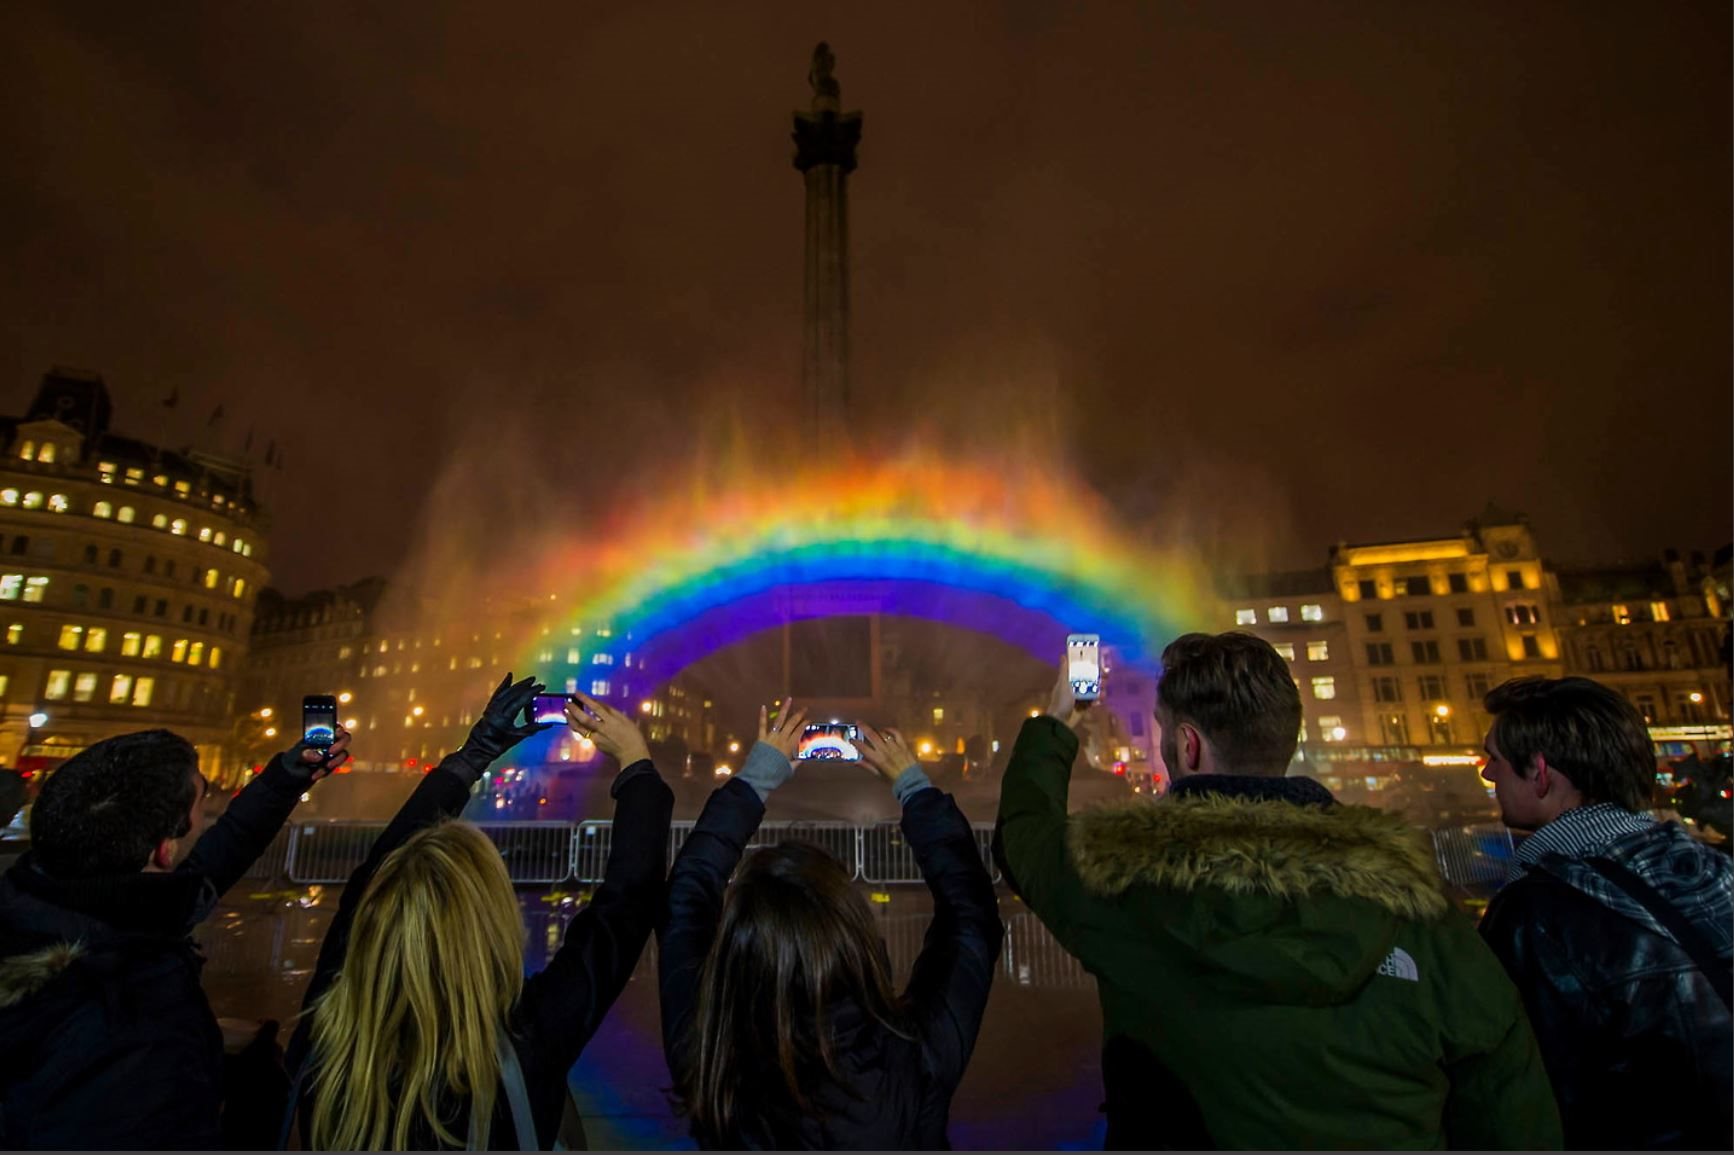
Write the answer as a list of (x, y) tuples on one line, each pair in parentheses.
[(825, 141)]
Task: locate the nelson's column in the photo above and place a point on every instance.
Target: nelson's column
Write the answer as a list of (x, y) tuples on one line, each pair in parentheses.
[(825, 141)]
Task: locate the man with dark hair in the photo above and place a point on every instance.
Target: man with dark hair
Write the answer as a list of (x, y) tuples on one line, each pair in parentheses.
[(111, 1041), (1275, 970), (1617, 929)]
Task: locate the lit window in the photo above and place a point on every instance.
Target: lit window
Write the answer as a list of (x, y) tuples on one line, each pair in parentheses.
[(1325, 687), (216, 657), (27, 451), (1659, 612), (1246, 617), (183, 488), (95, 640), (141, 691), (8, 497), (58, 503), (1312, 613), (221, 538), (129, 644), (103, 509), (134, 476), (11, 585), (1279, 614), (1331, 728), (246, 550), (59, 681), (125, 515), (599, 689), (121, 689), (205, 533), (601, 659), (237, 545), (5, 683), (240, 587), (178, 527), (71, 637), (161, 481), (1285, 650), (160, 521), (1318, 651), (33, 500), (14, 632), (84, 686), (196, 654), (178, 652), (938, 715), (210, 579), (106, 469), (34, 588), (153, 647)]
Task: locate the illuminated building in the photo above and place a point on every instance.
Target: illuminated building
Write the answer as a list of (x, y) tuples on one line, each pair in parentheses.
[(1395, 644), (128, 575), (409, 689), (1658, 633)]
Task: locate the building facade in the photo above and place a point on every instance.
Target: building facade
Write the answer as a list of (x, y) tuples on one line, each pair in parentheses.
[(128, 576), (1658, 633), (1395, 644)]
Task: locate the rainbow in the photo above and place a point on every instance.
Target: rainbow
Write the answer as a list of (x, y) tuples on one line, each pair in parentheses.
[(1025, 554)]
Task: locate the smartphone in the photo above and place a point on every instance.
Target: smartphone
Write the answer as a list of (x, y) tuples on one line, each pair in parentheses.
[(829, 742), (1084, 665), (550, 707), (319, 720)]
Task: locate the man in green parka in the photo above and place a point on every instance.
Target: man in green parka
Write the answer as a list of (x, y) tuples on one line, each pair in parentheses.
[(1275, 969)]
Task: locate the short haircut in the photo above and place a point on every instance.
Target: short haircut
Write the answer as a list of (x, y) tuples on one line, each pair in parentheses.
[(1585, 730), (1238, 691), (105, 809)]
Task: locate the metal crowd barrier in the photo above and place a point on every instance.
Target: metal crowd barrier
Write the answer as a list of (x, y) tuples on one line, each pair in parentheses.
[(546, 853)]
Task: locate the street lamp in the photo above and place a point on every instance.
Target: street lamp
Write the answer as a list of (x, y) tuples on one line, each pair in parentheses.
[(1695, 697), (1442, 710), (38, 720)]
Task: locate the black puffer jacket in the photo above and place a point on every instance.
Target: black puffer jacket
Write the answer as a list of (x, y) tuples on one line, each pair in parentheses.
[(899, 1092), (1635, 1038), (110, 1039)]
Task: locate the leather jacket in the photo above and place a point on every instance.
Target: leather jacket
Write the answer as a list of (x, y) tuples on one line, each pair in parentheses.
[(1635, 1038)]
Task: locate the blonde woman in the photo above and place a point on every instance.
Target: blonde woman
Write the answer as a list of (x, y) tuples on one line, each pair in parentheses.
[(424, 1031)]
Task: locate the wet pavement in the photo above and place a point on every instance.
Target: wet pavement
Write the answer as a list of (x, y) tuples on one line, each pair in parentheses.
[(1034, 1081)]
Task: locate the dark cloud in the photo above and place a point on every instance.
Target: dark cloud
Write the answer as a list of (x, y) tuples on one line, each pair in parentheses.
[(1339, 270)]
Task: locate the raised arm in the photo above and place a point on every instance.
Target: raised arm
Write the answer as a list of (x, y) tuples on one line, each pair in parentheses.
[(440, 794), (564, 1004), (701, 873), (949, 985), (243, 832), (1029, 841)]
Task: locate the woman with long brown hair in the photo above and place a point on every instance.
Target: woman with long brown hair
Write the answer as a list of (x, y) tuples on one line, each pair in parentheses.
[(779, 1017), (420, 1028)]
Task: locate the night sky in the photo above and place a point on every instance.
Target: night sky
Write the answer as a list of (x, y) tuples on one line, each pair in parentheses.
[(1331, 271)]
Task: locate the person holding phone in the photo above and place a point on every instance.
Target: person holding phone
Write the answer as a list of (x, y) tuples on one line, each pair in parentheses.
[(420, 1029), (779, 1019)]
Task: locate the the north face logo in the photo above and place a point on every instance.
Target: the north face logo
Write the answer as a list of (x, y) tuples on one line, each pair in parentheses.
[(1398, 965)]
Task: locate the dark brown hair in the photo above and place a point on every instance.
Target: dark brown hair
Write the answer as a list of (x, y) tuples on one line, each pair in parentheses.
[(796, 940), (1237, 690), (1585, 730)]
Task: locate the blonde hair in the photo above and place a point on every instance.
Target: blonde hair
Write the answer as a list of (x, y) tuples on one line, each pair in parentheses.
[(434, 962)]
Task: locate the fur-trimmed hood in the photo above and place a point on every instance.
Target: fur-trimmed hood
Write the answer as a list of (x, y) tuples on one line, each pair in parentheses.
[(1291, 903), (22, 975)]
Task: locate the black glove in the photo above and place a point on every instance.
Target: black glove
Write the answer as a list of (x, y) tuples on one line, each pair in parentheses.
[(498, 729)]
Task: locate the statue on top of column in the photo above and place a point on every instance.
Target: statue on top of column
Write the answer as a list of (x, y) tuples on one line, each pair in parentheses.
[(819, 76)]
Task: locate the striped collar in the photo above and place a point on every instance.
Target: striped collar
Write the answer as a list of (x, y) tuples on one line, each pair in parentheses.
[(1579, 833)]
